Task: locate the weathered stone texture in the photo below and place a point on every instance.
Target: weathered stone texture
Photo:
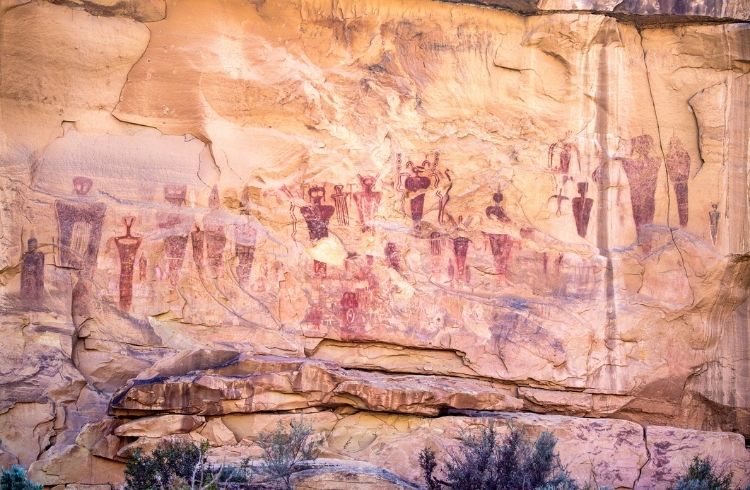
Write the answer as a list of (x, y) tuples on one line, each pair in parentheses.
[(387, 215)]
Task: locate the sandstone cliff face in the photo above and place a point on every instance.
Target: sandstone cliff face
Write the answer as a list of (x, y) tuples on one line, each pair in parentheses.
[(374, 211)]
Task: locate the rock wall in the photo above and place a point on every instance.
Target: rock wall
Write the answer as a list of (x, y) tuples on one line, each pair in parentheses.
[(398, 217)]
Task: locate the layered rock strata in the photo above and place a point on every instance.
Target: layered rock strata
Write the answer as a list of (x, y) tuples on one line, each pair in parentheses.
[(374, 211)]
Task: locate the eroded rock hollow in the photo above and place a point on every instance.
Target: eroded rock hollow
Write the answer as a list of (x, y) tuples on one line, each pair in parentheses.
[(400, 218)]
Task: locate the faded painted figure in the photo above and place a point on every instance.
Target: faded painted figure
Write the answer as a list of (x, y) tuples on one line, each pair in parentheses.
[(501, 244), (244, 236), (713, 219), (367, 202), (127, 246), (174, 245), (80, 226), (563, 172), (641, 169), (678, 166), (32, 275), (213, 234)]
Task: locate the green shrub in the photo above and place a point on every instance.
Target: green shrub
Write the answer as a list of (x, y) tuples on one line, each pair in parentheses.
[(181, 466), (14, 478), (284, 450), (482, 462), (700, 476)]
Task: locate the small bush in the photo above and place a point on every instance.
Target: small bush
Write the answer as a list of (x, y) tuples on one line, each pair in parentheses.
[(14, 478), (484, 463), (178, 466), (284, 450), (700, 476)]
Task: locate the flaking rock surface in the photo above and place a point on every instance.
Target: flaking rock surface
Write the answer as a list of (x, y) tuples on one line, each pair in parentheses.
[(374, 209)]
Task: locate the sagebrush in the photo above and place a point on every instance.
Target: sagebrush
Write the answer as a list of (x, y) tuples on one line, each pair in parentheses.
[(484, 461), (15, 478)]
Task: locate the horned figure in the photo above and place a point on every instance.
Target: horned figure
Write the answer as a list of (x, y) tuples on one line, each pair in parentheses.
[(501, 244), (340, 199), (443, 195), (317, 217), (713, 218), (641, 169), (80, 227), (32, 274), (414, 187), (567, 150), (367, 202), (127, 246), (582, 209), (678, 166)]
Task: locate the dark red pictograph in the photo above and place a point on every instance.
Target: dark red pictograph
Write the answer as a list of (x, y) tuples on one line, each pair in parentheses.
[(641, 169), (32, 275), (341, 203), (678, 167), (80, 227), (582, 209), (127, 246)]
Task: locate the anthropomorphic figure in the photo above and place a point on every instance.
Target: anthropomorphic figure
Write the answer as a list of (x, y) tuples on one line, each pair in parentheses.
[(678, 167), (501, 244), (340, 201), (213, 234), (367, 201), (317, 215), (642, 169), (392, 256), (80, 226), (414, 187), (349, 306), (32, 275), (582, 209), (174, 221), (713, 219), (127, 246)]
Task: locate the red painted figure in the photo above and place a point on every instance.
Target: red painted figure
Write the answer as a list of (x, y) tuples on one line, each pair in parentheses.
[(391, 254), (678, 166), (340, 200), (582, 209), (641, 169), (367, 202), (317, 217), (80, 227), (460, 273), (415, 186), (501, 244), (349, 306), (127, 245), (175, 245), (32, 275), (214, 234)]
